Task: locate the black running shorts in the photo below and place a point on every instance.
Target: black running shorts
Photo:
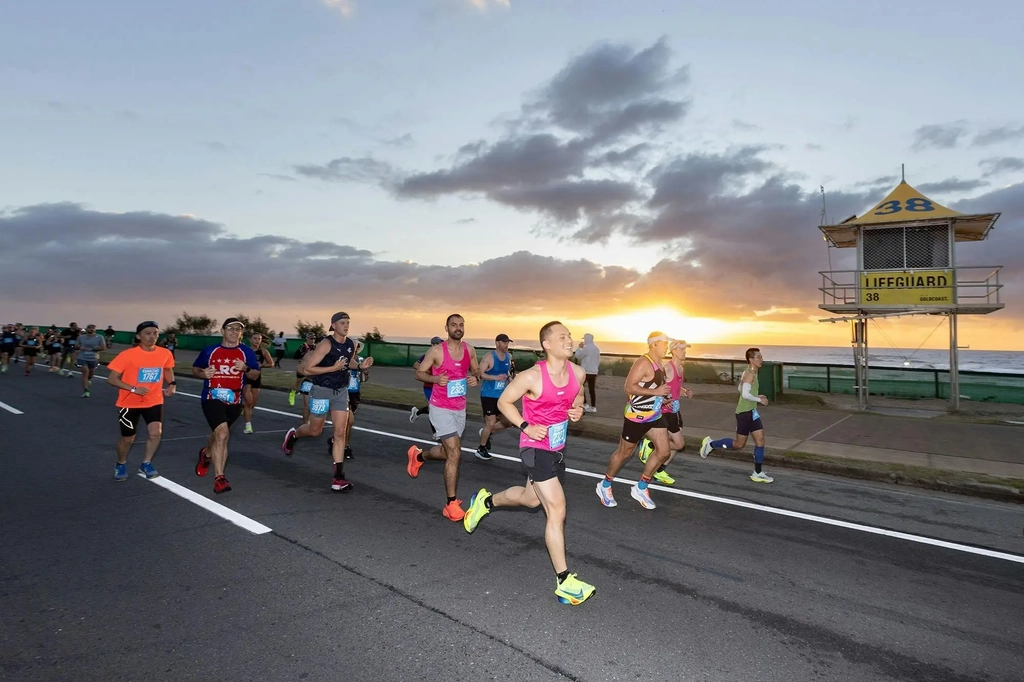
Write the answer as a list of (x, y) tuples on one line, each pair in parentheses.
[(353, 401), (128, 418), (634, 432), (747, 423), (543, 465), (217, 413), (489, 406), (673, 421)]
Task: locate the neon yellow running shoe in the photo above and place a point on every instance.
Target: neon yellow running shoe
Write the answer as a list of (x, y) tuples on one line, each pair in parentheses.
[(477, 510), (291, 398), (573, 591), (645, 450), (663, 477)]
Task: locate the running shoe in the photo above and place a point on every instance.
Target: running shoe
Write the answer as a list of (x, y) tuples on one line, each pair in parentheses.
[(340, 485), (291, 398), (288, 444), (3, 370), (453, 511), (248, 428), (221, 485), (483, 453), (203, 466), (487, 444), (477, 510), (705, 447), (573, 591), (148, 469), (414, 413), (414, 464), (68, 373), (642, 496), (663, 477), (120, 472), (606, 495), (85, 394), (761, 477), (348, 453), (645, 450)]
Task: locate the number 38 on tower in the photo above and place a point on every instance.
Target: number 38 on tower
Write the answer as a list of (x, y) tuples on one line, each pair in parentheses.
[(913, 204)]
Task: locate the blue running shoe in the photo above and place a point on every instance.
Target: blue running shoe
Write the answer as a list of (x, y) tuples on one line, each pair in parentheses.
[(148, 469), (120, 472)]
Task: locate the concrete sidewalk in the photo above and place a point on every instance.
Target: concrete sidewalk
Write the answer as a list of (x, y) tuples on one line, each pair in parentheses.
[(967, 447)]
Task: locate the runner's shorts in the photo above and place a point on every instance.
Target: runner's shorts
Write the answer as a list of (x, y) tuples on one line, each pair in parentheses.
[(91, 364), (447, 423), (323, 401), (354, 397), (128, 418), (255, 383), (673, 421), (542, 465), (218, 412), (634, 432), (489, 406), (747, 423)]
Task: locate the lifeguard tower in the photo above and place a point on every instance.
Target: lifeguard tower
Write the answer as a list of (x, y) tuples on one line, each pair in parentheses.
[(907, 265)]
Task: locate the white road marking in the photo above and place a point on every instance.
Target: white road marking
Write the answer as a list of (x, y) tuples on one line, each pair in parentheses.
[(849, 525), (209, 505), (12, 410)]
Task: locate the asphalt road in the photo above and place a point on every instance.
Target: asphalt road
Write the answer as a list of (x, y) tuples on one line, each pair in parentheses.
[(127, 581)]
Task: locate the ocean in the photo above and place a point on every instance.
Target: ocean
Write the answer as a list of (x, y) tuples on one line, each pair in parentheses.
[(1004, 362)]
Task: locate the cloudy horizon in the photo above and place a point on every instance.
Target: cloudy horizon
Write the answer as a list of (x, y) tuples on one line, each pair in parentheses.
[(501, 159)]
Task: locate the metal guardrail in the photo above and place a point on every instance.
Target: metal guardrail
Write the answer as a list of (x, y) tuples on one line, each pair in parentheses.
[(974, 286)]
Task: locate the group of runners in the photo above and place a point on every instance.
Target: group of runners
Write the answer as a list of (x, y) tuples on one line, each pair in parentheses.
[(539, 402), (62, 348)]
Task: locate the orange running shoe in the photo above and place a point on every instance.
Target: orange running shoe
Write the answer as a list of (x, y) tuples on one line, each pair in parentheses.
[(414, 463), (453, 511)]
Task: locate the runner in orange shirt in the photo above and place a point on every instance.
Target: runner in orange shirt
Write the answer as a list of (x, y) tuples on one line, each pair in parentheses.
[(144, 374)]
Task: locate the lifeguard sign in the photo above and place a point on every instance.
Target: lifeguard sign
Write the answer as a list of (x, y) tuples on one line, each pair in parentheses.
[(906, 265)]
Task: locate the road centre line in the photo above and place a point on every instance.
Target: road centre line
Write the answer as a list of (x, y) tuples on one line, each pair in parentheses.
[(209, 505), (849, 525)]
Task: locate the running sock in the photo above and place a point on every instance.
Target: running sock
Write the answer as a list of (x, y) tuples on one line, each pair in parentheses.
[(661, 468), (339, 470), (248, 425), (489, 502), (757, 467), (722, 444), (450, 500), (419, 458), (607, 482), (562, 576), (642, 483)]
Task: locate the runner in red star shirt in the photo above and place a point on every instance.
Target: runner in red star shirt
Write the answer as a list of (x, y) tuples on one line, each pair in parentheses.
[(224, 367)]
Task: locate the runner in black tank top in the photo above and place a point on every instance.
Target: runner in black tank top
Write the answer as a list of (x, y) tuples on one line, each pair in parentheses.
[(646, 388)]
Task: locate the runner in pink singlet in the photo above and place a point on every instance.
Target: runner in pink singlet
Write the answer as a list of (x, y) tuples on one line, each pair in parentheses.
[(552, 395), (451, 367), (670, 411)]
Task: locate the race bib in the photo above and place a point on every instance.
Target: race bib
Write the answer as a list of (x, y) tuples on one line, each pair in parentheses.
[(225, 395), (675, 406), (319, 406), (755, 416), (353, 383), (149, 375), (306, 386), (658, 401), (556, 435), (71, 342), (500, 385), (456, 388), (170, 346)]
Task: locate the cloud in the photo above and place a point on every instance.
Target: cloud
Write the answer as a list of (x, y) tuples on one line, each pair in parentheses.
[(402, 141), (346, 169), (465, 221), (484, 5), (939, 135), (951, 185), (278, 176), (814, 147), (1001, 164), (344, 7), (214, 146), (998, 136), (744, 126)]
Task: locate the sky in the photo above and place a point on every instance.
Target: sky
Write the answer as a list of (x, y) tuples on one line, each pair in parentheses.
[(622, 167)]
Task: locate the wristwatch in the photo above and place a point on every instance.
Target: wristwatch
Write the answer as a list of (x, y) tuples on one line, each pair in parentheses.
[(172, 383), (133, 389), (523, 425)]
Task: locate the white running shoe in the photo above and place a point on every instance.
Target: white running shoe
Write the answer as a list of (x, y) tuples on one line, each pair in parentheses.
[(607, 498), (705, 447), (413, 414), (642, 496), (761, 477)]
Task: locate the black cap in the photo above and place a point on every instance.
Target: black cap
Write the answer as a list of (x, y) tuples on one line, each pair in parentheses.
[(339, 316), (503, 337), (146, 325), (232, 320), (436, 340)]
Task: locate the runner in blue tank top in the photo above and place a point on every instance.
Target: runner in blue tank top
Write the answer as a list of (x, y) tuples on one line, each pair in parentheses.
[(496, 372)]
